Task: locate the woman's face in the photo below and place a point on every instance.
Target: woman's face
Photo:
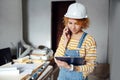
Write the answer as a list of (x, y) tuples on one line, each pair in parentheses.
[(73, 26)]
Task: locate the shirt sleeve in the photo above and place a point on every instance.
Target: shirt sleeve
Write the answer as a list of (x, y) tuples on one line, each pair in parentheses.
[(90, 57), (61, 48)]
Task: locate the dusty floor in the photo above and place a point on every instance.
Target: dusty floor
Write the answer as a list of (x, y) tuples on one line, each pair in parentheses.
[(101, 72)]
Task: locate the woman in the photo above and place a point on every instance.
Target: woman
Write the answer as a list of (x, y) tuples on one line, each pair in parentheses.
[(76, 43)]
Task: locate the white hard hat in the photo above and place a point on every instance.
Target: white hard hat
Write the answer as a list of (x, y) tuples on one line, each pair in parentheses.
[(77, 11)]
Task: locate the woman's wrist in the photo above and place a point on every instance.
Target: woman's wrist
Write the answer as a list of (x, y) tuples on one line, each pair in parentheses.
[(71, 67)]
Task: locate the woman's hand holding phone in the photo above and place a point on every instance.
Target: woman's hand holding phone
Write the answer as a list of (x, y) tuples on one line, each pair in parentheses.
[(67, 35)]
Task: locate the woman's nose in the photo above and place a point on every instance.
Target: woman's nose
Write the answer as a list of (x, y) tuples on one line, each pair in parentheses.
[(73, 26)]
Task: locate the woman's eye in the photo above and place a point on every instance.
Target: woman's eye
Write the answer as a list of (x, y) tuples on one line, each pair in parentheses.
[(70, 22)]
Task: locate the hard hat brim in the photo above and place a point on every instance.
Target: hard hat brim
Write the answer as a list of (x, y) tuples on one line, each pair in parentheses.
[(75, 17)]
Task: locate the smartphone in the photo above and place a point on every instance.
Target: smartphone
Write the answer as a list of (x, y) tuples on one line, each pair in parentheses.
[(69, 32)]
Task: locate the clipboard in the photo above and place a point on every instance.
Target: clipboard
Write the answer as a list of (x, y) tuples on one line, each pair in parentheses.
[(72, 60)]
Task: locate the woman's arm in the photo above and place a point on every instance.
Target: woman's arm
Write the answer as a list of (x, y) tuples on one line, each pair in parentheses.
[(90, 57), (62, 47), (63, 42)]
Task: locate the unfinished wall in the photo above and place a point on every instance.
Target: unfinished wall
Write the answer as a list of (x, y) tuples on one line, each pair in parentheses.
[(10, 23)]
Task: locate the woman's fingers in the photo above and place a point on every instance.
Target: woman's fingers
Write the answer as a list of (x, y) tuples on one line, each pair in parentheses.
[(66, 30)]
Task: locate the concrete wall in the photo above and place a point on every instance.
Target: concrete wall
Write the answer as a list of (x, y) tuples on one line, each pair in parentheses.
[(10, 23), (114, 39)]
